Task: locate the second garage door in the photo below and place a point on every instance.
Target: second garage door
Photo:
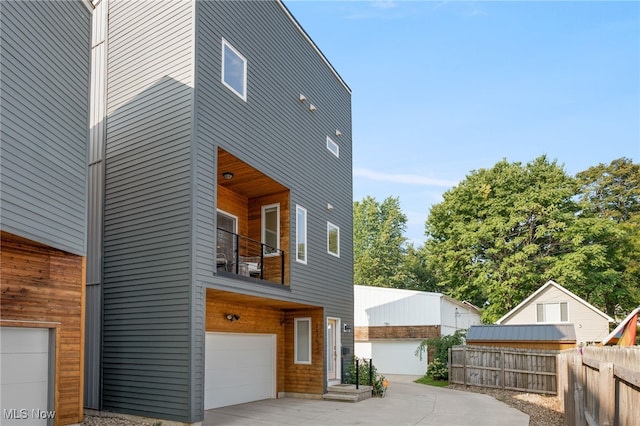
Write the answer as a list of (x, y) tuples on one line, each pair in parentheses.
[(239, 368), (393, 357)]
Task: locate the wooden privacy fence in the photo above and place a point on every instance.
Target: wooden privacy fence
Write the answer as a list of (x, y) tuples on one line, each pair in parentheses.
[(601, 386), (527, 370)]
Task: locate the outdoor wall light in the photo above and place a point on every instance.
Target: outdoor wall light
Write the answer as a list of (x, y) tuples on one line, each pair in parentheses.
[(329, 206), (232, 317), (302, 97), (338, 132), (346, 328), (227, 175), (312, 107)]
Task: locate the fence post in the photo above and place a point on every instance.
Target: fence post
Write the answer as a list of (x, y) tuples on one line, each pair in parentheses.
[(606, 394), (464, 364), (578, 393), (449, 359), (502, 361), (370, 372), (357, 374), (561, 376)]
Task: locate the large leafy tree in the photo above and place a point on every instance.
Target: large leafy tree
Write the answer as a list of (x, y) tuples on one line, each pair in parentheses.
[(504, 231), (609, 196), (378, 242)]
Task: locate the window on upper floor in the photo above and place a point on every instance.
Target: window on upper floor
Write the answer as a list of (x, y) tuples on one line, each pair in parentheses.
[(271, 228), (234, 70), (552, 312), (301, 234), (333, 147), (302, 344), (333, 239)]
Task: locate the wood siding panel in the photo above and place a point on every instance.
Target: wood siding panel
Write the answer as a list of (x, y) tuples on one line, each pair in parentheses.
[(363, 334), (277, 134), (305, 378), (148, 318), (40, 283), (44, 121)]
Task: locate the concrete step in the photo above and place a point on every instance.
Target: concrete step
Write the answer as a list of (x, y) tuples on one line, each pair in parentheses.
[(340, 397), (348, 393)]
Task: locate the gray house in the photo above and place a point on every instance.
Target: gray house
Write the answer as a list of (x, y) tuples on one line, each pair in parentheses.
[(44, 135), (223, 200)]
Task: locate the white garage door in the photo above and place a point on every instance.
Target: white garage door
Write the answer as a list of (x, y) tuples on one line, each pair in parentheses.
[(239, 368), (24, 374), (397, 357)]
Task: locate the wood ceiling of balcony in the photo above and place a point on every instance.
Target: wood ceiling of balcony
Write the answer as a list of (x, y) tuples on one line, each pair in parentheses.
[(245, 299), (246, 180)]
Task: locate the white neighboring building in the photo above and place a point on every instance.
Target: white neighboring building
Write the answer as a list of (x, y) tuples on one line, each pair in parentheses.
[(554, 304), (390, 323)]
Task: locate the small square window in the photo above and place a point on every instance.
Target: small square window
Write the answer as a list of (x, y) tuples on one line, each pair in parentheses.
[(333, 239), (234, 70), (302, 344), (333, 147)]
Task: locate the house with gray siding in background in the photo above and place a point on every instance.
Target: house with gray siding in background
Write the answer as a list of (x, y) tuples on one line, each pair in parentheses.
[(44, 137), (222, 221)]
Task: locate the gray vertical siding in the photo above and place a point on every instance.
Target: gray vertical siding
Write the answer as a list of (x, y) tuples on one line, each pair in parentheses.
[(44, 116), (147, 218), (276, 133), (93, 316)]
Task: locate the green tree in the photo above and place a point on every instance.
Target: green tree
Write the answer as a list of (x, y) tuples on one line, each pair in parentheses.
[(378, 242), (611, 191), (610, 202), (491, 238)]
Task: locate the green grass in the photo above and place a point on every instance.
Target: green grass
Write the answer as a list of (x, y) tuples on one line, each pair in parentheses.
[(426, 380)]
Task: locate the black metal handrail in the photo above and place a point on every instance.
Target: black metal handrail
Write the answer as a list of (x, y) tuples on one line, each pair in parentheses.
[(244, 256)]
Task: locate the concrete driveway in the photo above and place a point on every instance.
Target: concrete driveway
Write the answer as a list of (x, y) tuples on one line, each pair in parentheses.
[(406, 403)]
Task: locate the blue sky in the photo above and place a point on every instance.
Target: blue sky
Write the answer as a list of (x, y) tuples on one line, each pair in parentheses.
[(444, 88)]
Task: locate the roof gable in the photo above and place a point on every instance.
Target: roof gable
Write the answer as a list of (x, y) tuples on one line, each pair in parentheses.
[(557, 286)]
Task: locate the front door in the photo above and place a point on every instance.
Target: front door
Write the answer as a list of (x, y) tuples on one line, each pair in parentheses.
[(332, 349)]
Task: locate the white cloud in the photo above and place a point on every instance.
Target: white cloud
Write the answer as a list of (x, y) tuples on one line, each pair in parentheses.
[(384, 4), (407, 179)]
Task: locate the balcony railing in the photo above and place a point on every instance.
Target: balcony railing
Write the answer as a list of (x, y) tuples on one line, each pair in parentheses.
[(245, 257)]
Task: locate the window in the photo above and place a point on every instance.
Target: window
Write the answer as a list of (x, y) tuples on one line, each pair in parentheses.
[(301, 234), (234, 70), (302, 345), (271, 228), (333, 239), (333, 147), (552, 312)]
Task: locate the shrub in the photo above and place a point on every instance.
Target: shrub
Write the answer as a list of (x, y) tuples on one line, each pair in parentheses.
[(363, 375), (437, 370), (442, 345)]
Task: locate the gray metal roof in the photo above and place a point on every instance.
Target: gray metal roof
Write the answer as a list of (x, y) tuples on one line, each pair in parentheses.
[(522, 332)]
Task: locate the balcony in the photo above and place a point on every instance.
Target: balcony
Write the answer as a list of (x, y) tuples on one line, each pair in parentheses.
[(240, 256)]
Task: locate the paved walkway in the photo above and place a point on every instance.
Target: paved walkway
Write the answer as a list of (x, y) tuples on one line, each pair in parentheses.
[(406, 403)]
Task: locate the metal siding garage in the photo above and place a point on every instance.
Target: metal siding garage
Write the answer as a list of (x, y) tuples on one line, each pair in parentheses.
[(393, 357), (24, 372), (239, 368)]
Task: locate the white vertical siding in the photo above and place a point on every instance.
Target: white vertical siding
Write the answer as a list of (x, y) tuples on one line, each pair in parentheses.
[(377, 306), (456, 316)]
